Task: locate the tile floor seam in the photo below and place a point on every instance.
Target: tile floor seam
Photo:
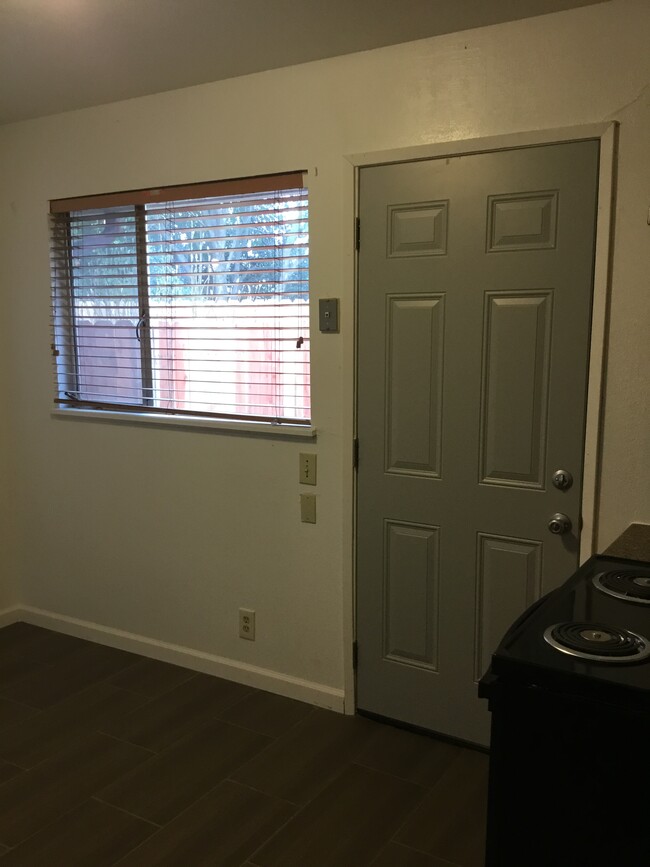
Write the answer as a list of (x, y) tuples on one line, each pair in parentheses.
[(301, 808), (145, 704), (18, 767), (123, 741), (128, 854), (256, 731), (174, 744), (19, 704), (277, 830), (147, 698), (424, 792), (296, 804), (253, 731), (366, 767), (99, 800), (406, 819), (187, 806), (41, 710), (30, 706), (443, 862), (211, 717), (271, 738), (423, 789), (241, 697), (215, 714), (74, 692), (257, 791), (184, 810), (43, 828), (241, 767)]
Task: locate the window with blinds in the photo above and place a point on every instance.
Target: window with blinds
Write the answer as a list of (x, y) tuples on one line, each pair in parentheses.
[(185, 300)]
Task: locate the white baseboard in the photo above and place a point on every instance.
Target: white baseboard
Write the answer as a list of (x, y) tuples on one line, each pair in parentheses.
[(250, 675), (10, 615)]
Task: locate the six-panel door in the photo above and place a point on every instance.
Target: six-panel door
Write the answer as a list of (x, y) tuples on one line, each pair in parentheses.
[(475, 282)]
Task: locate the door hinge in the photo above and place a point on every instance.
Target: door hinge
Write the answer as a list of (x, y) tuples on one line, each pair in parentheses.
[(355, 654), (355, 453), (357, 233)]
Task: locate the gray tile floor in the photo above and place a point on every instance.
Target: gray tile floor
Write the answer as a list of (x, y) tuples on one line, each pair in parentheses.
[(108, 758)]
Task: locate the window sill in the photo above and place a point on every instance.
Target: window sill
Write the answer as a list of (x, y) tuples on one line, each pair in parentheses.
[(194, 422)]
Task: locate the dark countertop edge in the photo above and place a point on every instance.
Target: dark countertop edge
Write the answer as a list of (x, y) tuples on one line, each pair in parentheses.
[(633, 543)]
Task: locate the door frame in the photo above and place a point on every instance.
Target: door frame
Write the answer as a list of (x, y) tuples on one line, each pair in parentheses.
[(607, 135)]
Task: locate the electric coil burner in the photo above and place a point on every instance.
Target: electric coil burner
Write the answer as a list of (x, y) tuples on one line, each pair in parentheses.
[(569, 692), (624, 584), (597, 642)]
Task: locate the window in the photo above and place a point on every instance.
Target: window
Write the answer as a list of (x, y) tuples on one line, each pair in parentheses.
[(185, 300)]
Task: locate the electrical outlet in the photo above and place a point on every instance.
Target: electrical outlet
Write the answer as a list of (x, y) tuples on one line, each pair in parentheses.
[(307, 469), (247, 624)]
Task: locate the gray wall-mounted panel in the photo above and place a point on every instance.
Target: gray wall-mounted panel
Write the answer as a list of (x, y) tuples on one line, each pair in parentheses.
[(414, 361), (516, 357), (508, 579), (411, 574)]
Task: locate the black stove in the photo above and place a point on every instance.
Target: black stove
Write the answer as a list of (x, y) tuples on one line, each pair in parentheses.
[(569, 692), (585, 617)]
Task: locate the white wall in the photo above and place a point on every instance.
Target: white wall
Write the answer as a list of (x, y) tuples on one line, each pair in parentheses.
[(166, 533), (8, 571)]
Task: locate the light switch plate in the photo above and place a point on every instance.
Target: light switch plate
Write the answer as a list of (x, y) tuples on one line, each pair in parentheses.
[(308, 508), (307, 474)]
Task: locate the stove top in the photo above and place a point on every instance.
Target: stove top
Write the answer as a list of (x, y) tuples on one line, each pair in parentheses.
[(590, 636)]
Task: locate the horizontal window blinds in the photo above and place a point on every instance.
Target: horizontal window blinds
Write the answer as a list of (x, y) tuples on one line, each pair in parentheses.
[(194, 305)]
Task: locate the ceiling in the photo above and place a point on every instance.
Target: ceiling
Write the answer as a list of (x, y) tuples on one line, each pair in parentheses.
[(57, 55)]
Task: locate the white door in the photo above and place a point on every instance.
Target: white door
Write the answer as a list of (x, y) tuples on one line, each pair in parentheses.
[(475, 285)]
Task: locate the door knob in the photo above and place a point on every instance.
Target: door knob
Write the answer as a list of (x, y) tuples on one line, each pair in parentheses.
[(559, 523), (562, 479)]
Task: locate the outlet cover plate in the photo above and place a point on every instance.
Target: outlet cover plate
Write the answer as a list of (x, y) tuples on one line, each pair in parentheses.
[(247, 624)]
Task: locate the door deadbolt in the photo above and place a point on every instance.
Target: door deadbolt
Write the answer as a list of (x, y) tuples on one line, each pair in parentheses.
[(559, 524), (562, 479)]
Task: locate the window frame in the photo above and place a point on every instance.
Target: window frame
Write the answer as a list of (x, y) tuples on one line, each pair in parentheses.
[(64, 321)]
